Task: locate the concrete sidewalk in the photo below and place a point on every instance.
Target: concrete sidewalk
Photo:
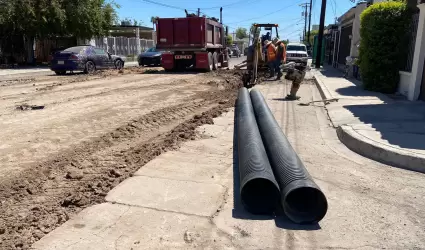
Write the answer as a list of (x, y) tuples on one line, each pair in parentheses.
[(373, 124)]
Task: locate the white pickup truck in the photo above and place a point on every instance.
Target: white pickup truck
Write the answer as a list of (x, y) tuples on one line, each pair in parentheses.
[(296, 52)]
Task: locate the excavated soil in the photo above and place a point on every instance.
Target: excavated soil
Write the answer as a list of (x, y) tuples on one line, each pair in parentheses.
[(46, 194)]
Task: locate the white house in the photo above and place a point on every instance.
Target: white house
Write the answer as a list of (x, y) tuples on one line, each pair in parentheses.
[(412, 84), (348, 36)]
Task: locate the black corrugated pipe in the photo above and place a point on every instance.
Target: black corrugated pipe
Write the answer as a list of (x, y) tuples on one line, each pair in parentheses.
[(301, 199), (258, 187)]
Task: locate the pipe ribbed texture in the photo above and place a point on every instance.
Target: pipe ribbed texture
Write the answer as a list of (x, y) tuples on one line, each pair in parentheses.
[(258, 187), (301, 199)]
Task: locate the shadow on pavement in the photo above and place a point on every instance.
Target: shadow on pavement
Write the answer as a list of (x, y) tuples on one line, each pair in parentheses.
[(329, 71), (284, 100), (399, 123)]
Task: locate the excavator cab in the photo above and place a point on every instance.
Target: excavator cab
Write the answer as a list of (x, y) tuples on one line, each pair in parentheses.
[(256, 58)]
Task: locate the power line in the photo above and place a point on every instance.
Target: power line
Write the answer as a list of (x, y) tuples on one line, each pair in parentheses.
[(293, 33), (262, 16), (231, 4), (292, 24), (164, 5), (333, 5)]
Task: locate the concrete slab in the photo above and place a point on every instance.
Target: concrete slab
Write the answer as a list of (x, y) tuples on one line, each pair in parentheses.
[(224, 132), (119, 227), (361, 228), (177, 166), (211, 147), (406, 127), (371, 144), (373, 124), (186, 197)]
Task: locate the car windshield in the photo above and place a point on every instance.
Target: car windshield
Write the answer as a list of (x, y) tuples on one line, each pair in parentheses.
[(77, 49), (151, 50), (296, 48)]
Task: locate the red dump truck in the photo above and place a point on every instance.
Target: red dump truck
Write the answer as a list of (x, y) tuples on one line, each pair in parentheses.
[(192, 42)]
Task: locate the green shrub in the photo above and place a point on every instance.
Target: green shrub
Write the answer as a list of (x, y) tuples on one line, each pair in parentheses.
[(383, 45)]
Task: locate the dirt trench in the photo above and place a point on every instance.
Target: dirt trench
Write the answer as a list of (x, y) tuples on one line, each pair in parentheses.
[(47, 194)]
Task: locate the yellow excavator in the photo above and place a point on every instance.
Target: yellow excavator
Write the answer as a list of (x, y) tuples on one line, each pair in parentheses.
[(256, 59)]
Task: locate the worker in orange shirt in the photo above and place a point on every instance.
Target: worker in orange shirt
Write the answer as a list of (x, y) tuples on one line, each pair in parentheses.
[(280, 58), (271, 56)]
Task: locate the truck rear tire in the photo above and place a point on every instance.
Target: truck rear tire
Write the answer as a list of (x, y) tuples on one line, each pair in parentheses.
[(215, 61), (210, 62)]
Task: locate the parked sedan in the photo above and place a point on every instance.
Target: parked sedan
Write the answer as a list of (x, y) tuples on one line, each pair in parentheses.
[(235, 51), (150, 57), (84, 58)]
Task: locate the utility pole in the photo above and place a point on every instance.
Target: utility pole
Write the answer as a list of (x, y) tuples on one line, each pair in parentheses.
[(309, 23), (305, 21), (305, 5), (320, 38)]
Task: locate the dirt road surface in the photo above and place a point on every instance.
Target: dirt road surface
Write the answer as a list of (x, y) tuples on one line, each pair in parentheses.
[(88, 134)]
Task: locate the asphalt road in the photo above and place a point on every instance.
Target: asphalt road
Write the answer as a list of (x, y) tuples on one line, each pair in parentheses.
[(10, 74), (235, 61)]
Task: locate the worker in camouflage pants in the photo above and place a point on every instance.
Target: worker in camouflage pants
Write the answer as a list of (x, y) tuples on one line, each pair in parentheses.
[(296, 75)]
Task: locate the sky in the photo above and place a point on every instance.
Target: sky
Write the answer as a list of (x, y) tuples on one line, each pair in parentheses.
[(237, 13)]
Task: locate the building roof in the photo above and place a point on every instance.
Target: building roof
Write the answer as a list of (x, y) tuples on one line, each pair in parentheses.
[(350, 13), (130, 27)]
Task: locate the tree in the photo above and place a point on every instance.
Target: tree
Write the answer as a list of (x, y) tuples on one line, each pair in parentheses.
[(229, 40), (48, 18), (241, 33), (312, 34), (153, 21), (383, 45), (130, 22), (251, 30)]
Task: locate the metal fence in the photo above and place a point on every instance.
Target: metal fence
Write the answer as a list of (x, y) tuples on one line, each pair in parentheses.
[(412, 42), (122, 46)]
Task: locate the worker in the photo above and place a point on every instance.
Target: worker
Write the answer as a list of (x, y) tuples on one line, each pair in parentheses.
[(271, 56), (280, 57), (297, 75)]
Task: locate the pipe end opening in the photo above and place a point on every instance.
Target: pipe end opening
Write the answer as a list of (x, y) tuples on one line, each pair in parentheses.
[(305, 205), (260, 196)]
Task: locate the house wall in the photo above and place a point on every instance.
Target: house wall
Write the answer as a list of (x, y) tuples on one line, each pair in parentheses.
[(410, 83), (350, 19), (405, 81), (354, 51)]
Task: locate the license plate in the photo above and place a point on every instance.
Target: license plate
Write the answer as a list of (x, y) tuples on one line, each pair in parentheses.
[(61, 62), (183, 57)]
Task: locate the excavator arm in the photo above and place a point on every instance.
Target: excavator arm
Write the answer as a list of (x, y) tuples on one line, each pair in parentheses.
[(250, 78)]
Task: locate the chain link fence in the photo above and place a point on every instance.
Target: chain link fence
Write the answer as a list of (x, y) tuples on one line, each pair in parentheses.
[(123, 46)]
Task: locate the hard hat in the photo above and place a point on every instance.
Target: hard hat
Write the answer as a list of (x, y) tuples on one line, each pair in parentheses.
[(267, 42)]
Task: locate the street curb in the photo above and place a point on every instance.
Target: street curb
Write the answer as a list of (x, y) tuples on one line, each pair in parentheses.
[(324, 92), (380, 152)]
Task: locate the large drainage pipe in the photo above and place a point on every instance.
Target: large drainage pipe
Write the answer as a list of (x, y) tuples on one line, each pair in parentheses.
[(259, 190), (301, 199)]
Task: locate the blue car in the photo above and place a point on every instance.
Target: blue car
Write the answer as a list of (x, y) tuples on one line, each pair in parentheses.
[(150, 57), (84, 58)]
